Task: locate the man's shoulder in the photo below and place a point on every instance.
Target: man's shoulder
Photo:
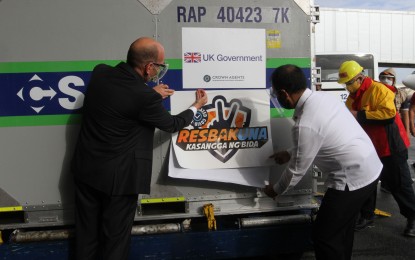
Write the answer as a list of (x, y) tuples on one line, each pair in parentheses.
[(378, 90), (378, 86), (107, 67), (324, 97), (102, 68)]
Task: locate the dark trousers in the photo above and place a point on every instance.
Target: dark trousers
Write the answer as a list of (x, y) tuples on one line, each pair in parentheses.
[(368, 209), (397, 177), (333, 230), (103, 224)]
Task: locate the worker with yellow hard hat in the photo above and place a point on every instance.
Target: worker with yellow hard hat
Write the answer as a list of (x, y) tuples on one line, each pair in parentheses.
[(372, 104), (348, 70)]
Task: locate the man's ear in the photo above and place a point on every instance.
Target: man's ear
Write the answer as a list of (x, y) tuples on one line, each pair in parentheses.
[(146, 68), (284, 92)]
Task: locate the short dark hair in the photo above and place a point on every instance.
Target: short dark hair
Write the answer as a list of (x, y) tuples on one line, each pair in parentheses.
[(138, 57), (290, 78)]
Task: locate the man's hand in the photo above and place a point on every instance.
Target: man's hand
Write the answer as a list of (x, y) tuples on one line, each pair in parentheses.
[(201, 98), (163, 90), (412, 128), (269, 191), (281, 157)]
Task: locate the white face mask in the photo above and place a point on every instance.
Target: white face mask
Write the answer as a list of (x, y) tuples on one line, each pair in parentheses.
[(387, 82)]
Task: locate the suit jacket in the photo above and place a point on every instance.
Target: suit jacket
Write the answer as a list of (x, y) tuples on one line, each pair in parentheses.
[(115, 144)]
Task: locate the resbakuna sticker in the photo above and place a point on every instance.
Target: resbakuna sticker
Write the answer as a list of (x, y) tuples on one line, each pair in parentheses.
[(231, 131)]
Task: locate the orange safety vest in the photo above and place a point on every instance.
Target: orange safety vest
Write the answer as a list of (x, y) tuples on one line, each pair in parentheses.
[(378, 116)]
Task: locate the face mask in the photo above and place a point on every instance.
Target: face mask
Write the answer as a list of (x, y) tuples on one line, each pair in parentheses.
[(387, 81)]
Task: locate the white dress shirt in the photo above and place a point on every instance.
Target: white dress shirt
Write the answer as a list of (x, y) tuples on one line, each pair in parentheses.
[(326, 134)]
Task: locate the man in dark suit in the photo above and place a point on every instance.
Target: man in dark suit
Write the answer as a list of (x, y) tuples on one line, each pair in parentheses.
[(112, 162)]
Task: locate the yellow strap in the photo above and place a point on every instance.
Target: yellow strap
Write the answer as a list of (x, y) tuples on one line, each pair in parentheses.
[(162, 200), (379, 212), (208, 210), (1, 238), (9, 209)]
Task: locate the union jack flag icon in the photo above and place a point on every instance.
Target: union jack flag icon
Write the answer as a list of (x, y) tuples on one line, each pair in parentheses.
[(192, 57)]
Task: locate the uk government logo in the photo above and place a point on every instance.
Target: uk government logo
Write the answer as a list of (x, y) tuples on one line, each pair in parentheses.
[(198, 57), (222, 128)]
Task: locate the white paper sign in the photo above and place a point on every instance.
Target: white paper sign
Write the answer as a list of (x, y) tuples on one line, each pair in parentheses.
[(255, 177), (223, 58), (231, 131)]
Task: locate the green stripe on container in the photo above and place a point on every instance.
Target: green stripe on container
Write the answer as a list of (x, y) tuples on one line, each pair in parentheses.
[(67, 66), (11, 121), (175, 64), (281, 113), (300, 62), (51, 66)]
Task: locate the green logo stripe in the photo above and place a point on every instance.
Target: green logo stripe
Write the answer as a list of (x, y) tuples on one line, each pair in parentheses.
[(68, 66), (11, 121)]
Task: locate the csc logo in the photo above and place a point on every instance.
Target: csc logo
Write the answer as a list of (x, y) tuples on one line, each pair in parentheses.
[(38, 94)]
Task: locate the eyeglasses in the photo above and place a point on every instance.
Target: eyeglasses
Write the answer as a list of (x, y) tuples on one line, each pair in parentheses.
[(161, 71), (350, 82), (160, 65), (386, 77)]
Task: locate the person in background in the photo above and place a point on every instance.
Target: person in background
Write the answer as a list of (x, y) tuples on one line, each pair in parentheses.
[(372, 104), (409, 82), (339, 147), (402, 96), (112, 162), (402, 102)]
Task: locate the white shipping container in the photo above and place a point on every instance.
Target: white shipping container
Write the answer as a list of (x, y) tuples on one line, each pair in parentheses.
[(388, 35)]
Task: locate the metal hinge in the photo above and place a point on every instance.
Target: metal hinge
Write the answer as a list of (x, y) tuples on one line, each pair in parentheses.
[(315, 14), (316, 172), (316, 77)]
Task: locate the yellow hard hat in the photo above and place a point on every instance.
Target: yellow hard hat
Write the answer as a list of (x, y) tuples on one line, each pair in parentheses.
[(348, 70)]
